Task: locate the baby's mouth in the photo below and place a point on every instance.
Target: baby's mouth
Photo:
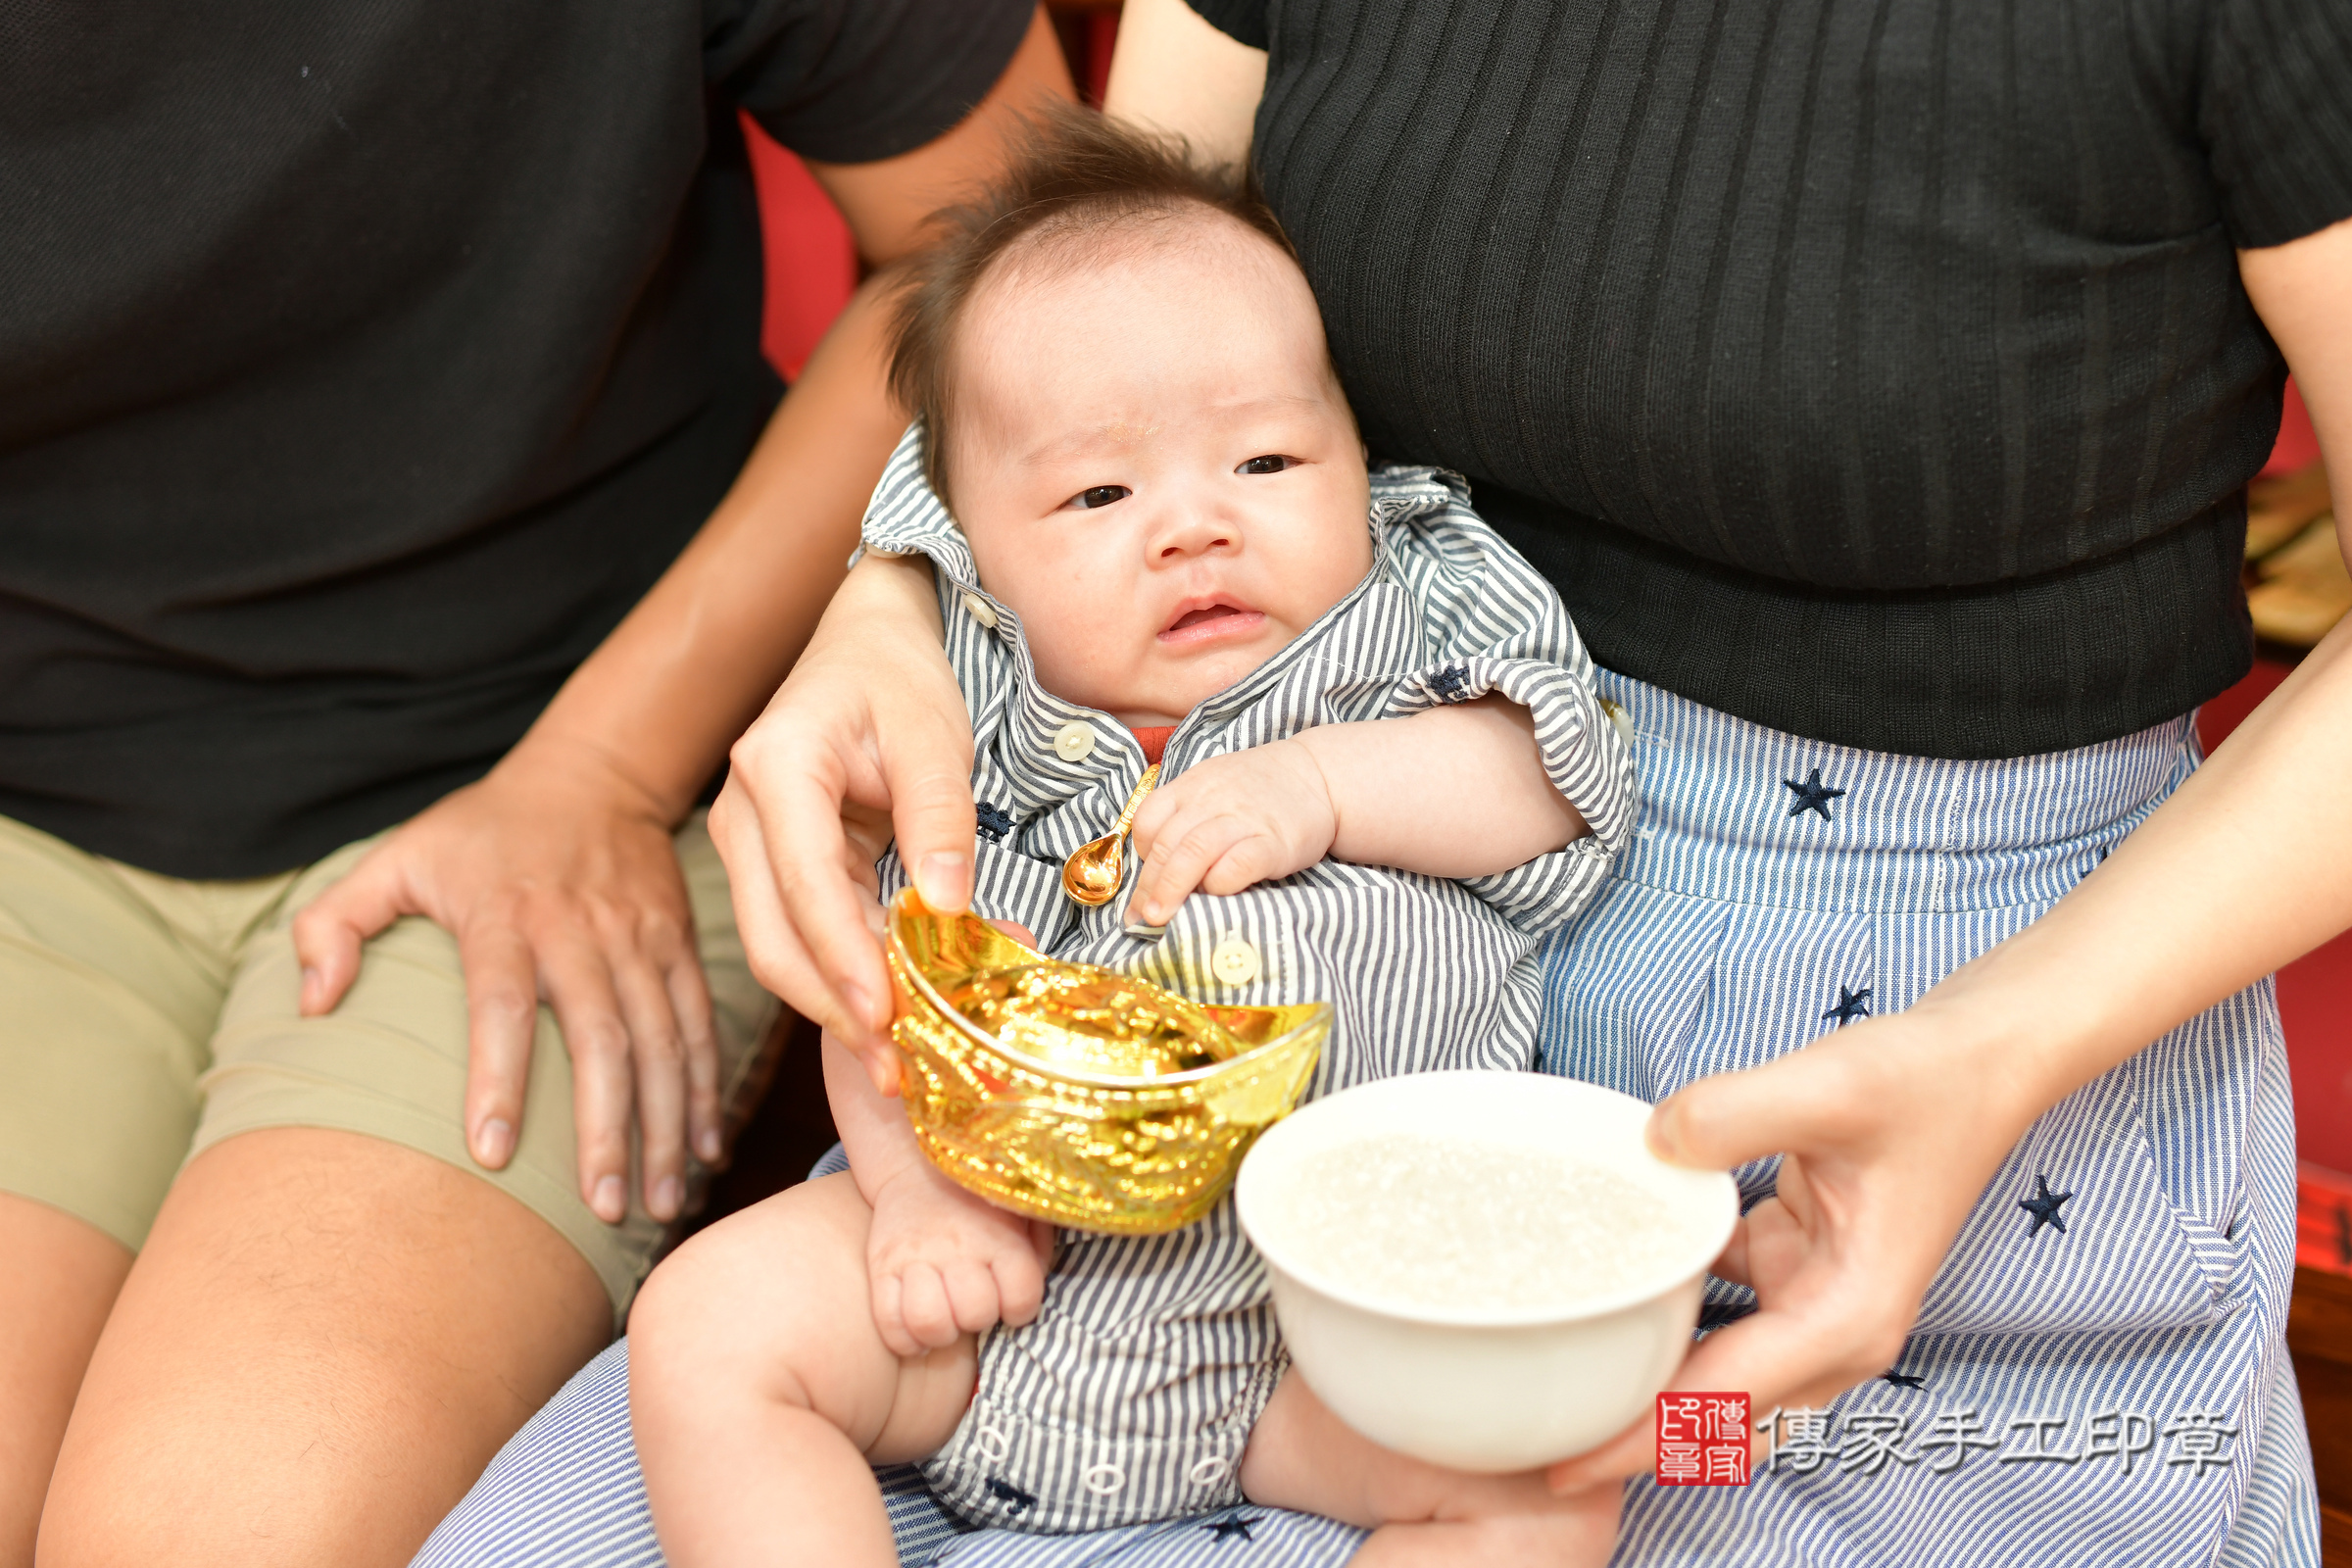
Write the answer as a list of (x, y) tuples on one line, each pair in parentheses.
[(1201, 622)]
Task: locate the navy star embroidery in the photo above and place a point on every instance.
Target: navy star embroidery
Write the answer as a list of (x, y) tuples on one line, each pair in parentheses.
[(1448, 683), (1904, 1380), (1812, 796), (1233, 1525), (995, 822), (1851, 1004), (1012, 1497), (2043, 1207)]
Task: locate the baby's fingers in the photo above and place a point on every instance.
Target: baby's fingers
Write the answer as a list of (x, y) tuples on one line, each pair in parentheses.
[(973, 1297), (1252, 859), (924, 1307), (1021, 1281), (1162, 806), (1143, 832), (1174, 866), (889, 1320)]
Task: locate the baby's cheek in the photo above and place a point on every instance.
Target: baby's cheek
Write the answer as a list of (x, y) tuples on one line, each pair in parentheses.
[(1077, 654)]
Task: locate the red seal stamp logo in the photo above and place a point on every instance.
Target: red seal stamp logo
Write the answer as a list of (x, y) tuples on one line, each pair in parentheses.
[(1702, 1440)]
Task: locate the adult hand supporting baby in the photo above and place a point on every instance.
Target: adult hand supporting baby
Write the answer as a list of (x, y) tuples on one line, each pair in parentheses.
[(869, 735), (1889, 1130), (1890, 1127)]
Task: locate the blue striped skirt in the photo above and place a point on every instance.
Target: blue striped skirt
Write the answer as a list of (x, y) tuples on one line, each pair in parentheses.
[(2100, 1378)]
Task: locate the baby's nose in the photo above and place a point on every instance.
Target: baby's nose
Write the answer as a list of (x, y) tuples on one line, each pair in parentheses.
[(1193, 547), (1194, 534)]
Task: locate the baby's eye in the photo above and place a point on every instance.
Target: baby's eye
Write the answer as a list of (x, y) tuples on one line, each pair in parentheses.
[(1271, 463), (1101, 495)]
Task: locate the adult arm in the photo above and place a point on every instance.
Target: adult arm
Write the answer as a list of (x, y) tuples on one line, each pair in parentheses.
[(869, 738), (1892, 1126), (1174, 72), (556, 872)]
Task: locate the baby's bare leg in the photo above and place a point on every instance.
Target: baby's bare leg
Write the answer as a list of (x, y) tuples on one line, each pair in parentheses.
[(1303, 1458), (761, 1394)]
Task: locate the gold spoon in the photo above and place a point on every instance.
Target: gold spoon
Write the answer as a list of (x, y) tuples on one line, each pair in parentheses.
[(1092, 873)]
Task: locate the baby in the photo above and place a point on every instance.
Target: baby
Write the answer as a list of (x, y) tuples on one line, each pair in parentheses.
[(1385, 776)]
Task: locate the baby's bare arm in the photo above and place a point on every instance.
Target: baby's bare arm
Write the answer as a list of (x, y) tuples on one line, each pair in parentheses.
[(941, 1262), (862, 1091), (1453, 792)]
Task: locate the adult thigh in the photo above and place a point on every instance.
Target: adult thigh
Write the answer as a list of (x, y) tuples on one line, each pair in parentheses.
[(338, 1316), (390, 1061), (61, 1278), (324, 1341), (103, 1008)]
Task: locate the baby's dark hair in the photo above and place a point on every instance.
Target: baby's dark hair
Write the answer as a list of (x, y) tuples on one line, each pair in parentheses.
[(1075, 174)]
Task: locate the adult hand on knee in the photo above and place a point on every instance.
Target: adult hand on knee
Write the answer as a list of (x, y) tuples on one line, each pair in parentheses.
[(869, 735), (557, 877), (1888, 1131)]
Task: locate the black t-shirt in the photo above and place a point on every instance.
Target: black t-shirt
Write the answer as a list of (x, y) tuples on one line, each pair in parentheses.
[(362, 363), (1874, 370)]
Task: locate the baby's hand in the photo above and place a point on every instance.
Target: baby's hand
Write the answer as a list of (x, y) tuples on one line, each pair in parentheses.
[(944, 1264), (1228, 823)]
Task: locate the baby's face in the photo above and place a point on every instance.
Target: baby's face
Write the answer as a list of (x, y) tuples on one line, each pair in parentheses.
[(1154, 464)]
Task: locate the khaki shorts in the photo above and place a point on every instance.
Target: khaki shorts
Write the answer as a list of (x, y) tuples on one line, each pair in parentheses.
[(144, 1018)]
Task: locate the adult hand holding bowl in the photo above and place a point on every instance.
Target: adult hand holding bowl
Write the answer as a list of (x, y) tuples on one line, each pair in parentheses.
[(1497, 1332)]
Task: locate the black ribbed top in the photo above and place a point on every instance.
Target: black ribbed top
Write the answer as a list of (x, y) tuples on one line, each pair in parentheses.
[(1874, 370)]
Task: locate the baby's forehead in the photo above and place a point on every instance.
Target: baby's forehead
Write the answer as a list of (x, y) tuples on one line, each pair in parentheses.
[(1170, 329), (1149, 306), (1131, 247)]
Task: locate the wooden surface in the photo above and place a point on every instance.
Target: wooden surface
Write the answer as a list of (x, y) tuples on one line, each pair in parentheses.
[(792, 1127), (2319, 1331)]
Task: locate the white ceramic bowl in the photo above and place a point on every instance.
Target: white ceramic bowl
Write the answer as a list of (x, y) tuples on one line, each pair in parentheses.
[(1478, 1389)]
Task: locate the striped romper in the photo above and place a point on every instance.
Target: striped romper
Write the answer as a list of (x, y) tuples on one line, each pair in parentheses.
[(2098, 1374), (1130, 1397)]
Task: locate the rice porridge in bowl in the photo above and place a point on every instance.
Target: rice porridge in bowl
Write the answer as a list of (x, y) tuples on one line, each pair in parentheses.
[(1486, 1271)]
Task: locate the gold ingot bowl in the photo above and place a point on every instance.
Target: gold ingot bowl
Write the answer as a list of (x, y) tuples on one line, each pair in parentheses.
[(1079, 1094)]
